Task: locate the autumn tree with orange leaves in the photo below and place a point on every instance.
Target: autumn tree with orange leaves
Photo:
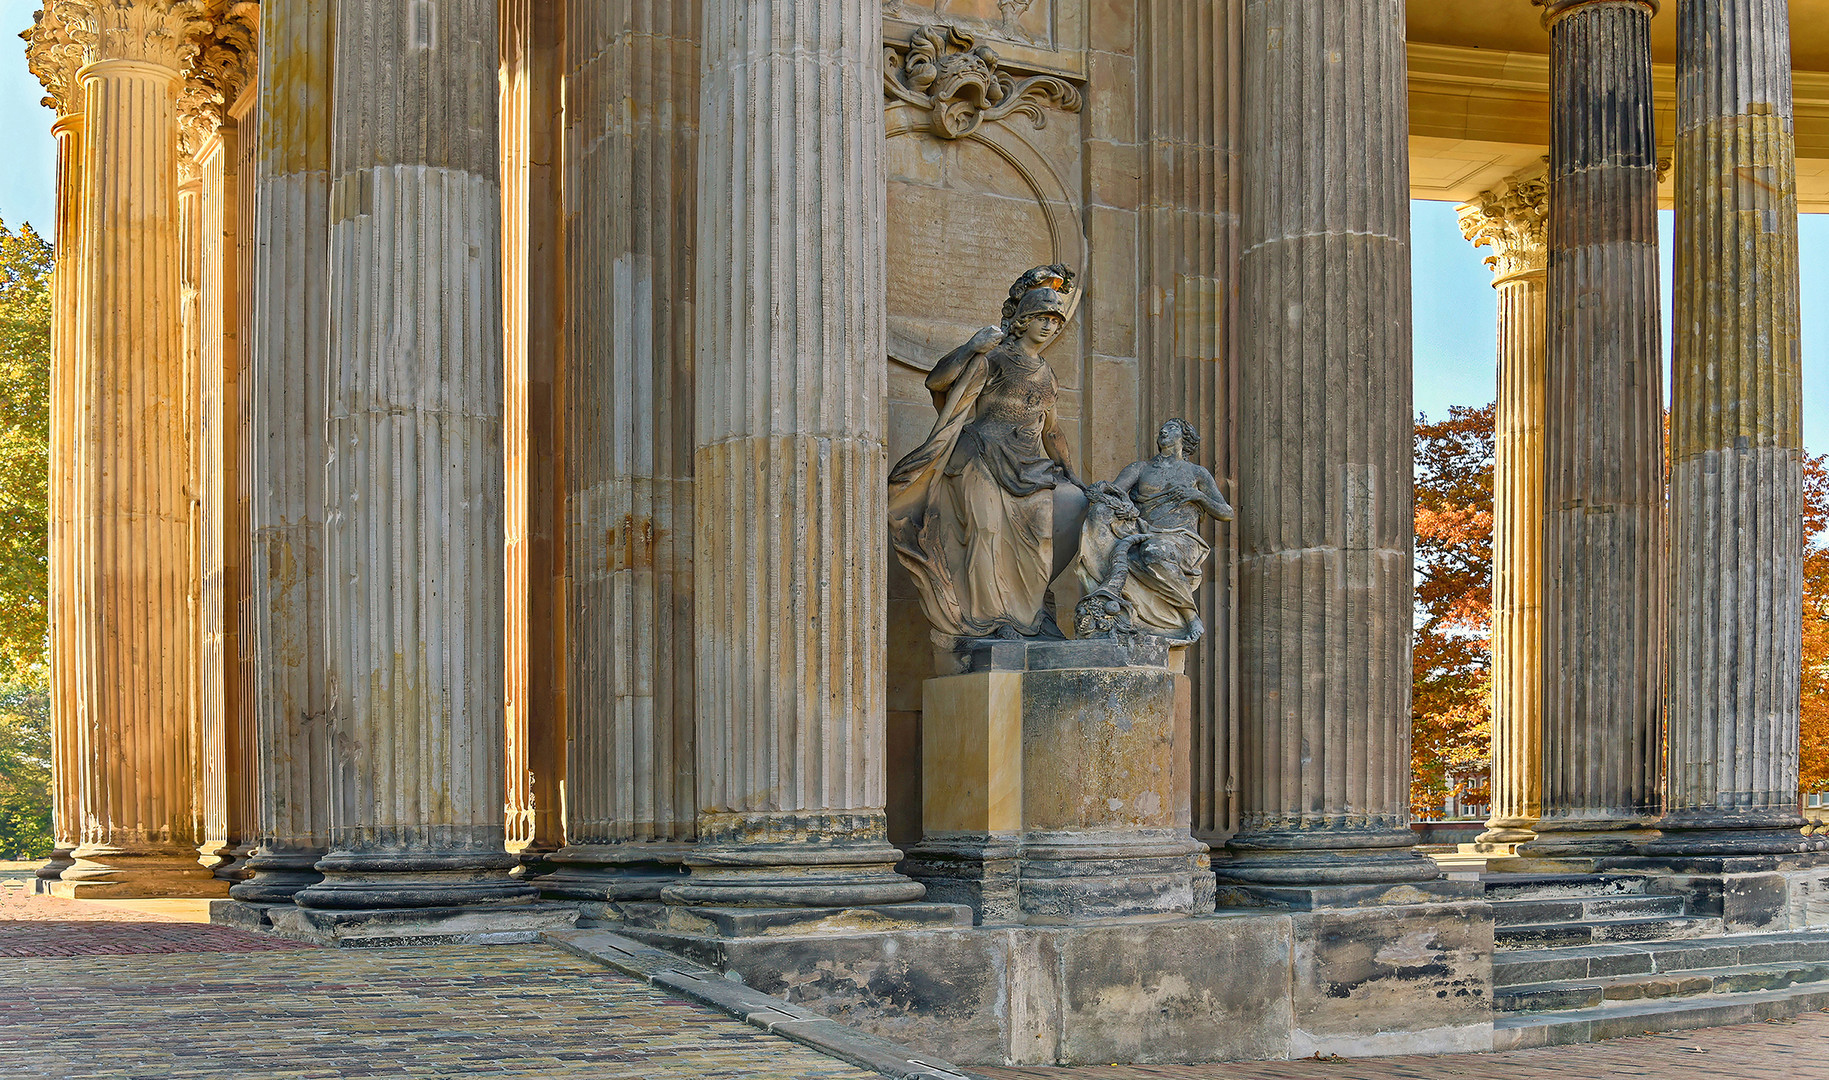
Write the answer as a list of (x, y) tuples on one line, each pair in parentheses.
[(1451, 699), (1451, 666)]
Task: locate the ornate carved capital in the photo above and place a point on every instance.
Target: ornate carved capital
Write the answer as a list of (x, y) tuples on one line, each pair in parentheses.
[(1513, 219), (221, 63), (53, 54), (156, 32), (961, 83)]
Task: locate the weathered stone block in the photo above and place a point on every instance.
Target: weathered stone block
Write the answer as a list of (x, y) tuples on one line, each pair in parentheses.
[(1393, 980)]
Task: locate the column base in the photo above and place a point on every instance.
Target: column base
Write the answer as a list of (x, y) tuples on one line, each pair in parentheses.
[(1058, 878), (1322, 858), (1716, 832), (1503, 835), (1574, 844), (498, 923), (608, 872), (108, 873), (382, 880), (55, 864), (229, 863), (808, 874), (274, 877)]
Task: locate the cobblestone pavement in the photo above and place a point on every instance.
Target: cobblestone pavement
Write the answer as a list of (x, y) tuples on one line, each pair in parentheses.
[(203, 1003), (93, 991), (1776, 1050)]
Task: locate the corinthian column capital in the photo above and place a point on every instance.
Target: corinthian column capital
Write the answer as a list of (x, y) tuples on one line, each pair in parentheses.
[(154, 32), (1513, 220), (1554, 10), (220, 62), (53, 53)]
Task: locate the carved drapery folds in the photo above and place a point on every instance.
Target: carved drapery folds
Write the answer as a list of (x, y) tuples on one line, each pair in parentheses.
[(962, 84)]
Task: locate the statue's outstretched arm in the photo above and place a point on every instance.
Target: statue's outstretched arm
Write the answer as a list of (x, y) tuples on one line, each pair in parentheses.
[(1211, 500), (1127, 480)]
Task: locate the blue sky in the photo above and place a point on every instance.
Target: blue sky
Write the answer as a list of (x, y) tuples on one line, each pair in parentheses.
[(1456, 309)]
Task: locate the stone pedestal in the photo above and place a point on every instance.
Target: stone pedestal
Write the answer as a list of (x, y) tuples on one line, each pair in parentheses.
[(1055, 785)]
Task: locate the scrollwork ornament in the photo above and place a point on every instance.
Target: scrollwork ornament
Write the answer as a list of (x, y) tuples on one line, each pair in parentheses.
[(962, 84)]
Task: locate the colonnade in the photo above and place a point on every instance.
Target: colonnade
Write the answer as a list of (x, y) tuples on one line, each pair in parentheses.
[(1618, 630), (545, 521)]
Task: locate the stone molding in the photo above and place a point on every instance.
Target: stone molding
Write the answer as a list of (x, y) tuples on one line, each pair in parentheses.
[(1513, 220), (1556, 10), (962, 84)]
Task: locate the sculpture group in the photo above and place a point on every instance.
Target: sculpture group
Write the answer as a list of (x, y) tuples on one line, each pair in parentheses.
[(988, 515)]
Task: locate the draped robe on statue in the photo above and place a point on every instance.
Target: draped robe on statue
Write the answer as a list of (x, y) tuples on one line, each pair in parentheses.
[(971, 510)]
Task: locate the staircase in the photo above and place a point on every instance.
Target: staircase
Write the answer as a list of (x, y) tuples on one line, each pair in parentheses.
[(1583, 957)]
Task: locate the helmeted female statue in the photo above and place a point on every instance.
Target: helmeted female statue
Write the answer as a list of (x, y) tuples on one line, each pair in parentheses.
[(975, 509)]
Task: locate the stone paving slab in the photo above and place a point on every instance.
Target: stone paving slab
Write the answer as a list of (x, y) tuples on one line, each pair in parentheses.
[(172, 999), (1776, 1050)]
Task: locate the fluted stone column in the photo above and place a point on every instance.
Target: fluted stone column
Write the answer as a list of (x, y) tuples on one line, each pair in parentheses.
[(55, 57), (130, 507), (1513, 220), (631, 238), (533, 314), (790, 479), (1325, 446), (1603, 539), (1736, 485), (1188, 329), (288, 367), (413, 555)]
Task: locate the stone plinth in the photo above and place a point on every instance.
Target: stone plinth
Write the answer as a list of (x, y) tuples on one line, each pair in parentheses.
[(490, 924), (1239, 986), (1055, 785)]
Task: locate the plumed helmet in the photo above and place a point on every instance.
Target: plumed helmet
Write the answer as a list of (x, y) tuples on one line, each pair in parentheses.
[(1042, 301)]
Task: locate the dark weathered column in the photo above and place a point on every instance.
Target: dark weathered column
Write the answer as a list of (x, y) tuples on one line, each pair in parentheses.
[(1513, 220), (1736, 483), (1325, 499), (413, 541), (631, 150), (1603, 538), (790, 480), (289, 359)]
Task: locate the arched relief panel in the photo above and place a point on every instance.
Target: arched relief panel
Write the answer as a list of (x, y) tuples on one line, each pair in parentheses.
[(967, 215)]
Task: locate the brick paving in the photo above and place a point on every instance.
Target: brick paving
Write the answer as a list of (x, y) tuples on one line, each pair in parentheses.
[(187, 1002), (1776, 1050), (92, 991)]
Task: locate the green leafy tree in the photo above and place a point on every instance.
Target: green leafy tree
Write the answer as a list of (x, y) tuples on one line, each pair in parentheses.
[(25, 374)]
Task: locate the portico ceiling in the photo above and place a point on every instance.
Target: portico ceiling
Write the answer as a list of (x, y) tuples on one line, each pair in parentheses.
[(1479, 95)]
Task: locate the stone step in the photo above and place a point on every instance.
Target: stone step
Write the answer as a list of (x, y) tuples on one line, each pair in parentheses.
[(1518, 912), (1567, 996), (1610, 960), (1503, 886), (1562, 935), (1616, 1020)]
